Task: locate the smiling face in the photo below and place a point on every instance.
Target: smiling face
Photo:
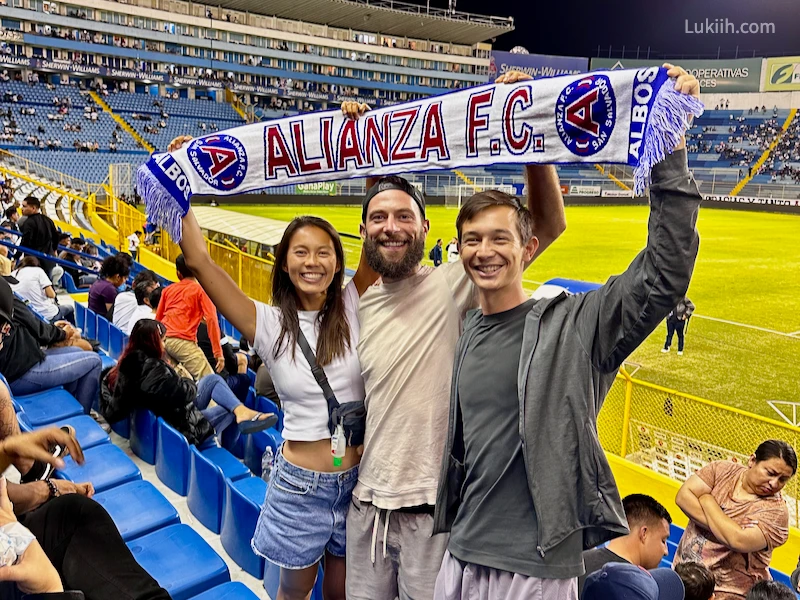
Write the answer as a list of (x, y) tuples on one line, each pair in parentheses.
[(767, 477), (492, 250), (311, 265), (394, 235)]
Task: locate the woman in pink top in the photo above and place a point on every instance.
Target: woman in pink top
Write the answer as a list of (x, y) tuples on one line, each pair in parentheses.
[(737, 517)]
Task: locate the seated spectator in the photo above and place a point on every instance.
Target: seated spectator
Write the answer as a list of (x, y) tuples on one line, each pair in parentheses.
[(113, 274), (11, 217), (616, 581), (698, 582), (77, 546), (126, 302), (28, 369), (143, 291), (770, 590), (80, 278), (5, 262), (31, 283), (736, 542), (143, 379), (645, 545)]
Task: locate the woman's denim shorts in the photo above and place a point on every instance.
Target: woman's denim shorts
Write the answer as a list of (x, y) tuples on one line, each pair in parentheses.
[(304, 515)]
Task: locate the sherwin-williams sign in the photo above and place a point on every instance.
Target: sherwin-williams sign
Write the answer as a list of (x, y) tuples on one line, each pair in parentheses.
[(715, 76), (783, 74), (536, 65)]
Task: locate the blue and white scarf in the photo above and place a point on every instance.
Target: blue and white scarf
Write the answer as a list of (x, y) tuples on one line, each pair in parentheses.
[(632, 117)]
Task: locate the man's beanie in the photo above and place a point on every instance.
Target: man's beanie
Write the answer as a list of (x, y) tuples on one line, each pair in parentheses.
[(392, 182)]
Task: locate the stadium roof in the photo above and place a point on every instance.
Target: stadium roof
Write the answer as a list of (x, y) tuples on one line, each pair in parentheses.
[(389, 17), (234, 224)]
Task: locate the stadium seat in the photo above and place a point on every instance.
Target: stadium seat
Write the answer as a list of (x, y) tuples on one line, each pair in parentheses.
[(105, 467), (243, 502), (69, 284), (206, 489), (88, 433), (122, 428), (116, 342), (144, 430), (49, 406), (255, 446), (80, 316), (233, 441), (173, 458), (90, 325), (102, 332), (180, 561), (137, 509), (234, 590)]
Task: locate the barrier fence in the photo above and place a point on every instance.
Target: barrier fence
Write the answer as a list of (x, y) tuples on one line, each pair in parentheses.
[(675, 434)]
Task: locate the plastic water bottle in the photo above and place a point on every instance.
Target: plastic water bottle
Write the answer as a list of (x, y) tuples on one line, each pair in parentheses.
[(266, 464)]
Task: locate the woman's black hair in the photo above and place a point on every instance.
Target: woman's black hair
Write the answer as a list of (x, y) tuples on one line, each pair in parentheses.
[(777, 449)]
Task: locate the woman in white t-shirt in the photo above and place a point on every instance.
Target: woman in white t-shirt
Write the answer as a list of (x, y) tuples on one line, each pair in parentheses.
[(303, 519), (35, 286)]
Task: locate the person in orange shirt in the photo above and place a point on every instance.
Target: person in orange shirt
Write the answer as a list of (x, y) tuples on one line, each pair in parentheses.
[(183, 305)]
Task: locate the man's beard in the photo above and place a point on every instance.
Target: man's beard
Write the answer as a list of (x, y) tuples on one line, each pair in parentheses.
[(394, 269)]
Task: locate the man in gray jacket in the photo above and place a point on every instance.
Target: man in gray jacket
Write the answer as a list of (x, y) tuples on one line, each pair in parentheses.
[(525, 486)]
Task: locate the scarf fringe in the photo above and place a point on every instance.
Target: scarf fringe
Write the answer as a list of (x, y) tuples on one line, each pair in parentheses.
[(669, 120), (160, 206)]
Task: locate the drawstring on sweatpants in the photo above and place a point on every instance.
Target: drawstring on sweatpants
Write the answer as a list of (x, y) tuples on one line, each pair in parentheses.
[(374, 541)]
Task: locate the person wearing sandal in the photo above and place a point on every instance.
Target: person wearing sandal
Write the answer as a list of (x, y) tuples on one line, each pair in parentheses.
[(144, 379), (303, 518)]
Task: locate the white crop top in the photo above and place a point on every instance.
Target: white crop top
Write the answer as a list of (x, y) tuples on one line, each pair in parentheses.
[(304, 406)]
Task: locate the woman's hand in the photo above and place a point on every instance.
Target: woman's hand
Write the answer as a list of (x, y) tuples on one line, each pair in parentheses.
[(178, 142), (36, 445)]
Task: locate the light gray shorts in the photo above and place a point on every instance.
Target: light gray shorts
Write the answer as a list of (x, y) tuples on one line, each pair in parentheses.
[(458, 580)]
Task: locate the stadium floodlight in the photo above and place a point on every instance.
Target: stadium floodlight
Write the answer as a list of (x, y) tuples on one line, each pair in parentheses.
[(519, 50)]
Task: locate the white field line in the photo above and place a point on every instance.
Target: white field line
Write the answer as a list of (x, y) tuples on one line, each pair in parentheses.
[(764, 329)]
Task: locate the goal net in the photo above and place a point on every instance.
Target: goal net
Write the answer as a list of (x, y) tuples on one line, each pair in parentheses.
[(456, 195)]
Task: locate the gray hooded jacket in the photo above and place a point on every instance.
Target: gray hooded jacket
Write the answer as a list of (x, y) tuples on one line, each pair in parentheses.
[(572, 348)]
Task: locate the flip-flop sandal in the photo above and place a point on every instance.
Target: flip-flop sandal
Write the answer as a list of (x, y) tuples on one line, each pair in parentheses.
[(257, 424)]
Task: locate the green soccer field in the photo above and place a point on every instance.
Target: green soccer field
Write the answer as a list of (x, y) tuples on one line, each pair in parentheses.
[(739, 349)]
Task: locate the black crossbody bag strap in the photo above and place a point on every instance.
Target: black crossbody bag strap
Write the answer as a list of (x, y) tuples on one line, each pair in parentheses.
[(317, 371)]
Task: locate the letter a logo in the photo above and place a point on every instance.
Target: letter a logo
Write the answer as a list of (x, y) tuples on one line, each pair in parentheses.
[(579, 113), (221, 158)]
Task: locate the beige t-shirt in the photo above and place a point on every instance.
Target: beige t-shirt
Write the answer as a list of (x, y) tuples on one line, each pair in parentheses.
[(735, 573), (409, 331)]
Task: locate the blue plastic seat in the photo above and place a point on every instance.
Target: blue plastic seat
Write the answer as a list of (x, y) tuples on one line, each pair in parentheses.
[(137, 509), (144, 431), (116, 342), (173, 457), (243, 502), (265, 405), (122, 428), (206, 489), (234, 590), (69, 284), (180, 561), (105, 467), (88, 433), (90, 324), (50, 406), (255, 446), (80, 316), (103, 332)]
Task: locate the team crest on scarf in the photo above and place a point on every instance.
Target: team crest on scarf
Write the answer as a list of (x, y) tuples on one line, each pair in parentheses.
[(220, 160), (586, 111)]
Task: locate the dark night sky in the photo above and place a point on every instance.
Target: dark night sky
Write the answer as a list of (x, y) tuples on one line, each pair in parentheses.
[(577, 27)]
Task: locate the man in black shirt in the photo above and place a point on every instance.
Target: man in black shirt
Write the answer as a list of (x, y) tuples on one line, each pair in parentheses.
[(39, 232), (645, 545)]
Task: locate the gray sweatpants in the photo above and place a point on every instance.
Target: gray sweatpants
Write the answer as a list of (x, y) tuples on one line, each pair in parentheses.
[(464, 581), (391, 554)]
